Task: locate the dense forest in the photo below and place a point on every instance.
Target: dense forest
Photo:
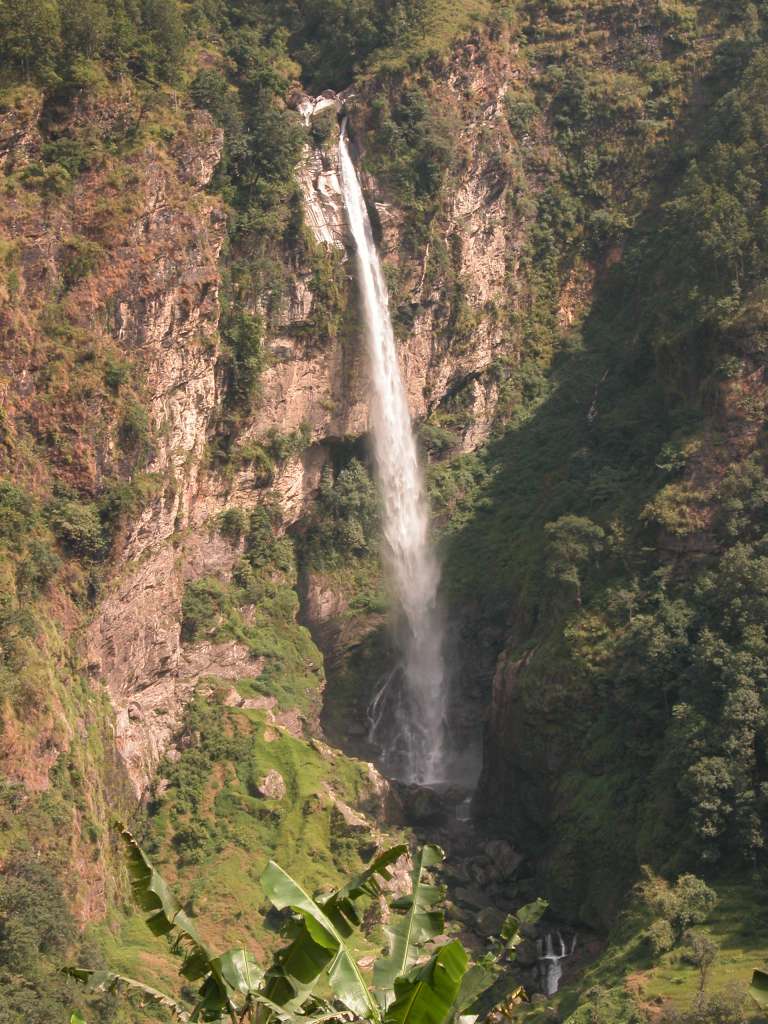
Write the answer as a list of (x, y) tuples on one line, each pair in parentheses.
[(593, 421)]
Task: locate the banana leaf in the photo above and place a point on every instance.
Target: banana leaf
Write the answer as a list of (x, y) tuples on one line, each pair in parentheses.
[(427, 995), (511, 934), (419, 924), (758, 990), (478, 979), (296, 970), (314, 1017), (485, 973), (165, 914), (106, 981), (307, 956), (341, 906), (238, 971)]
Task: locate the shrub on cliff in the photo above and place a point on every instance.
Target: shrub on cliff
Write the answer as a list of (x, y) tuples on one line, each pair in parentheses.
[(347, 518), (78, 526)]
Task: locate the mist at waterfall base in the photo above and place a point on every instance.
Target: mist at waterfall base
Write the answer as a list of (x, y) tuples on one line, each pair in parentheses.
[(409, 711)]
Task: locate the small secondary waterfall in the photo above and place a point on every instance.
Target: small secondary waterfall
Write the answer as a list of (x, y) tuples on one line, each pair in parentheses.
[(550, 961), (418, 705)]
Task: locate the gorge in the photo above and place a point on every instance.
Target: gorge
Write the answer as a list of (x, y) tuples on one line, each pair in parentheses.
[(459, 425)]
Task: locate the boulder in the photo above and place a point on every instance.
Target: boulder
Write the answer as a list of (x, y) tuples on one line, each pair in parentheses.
[(503, 857), (481, 871), (527, 953), (420, 804), (258, 703), (272, 786), (489, 921), (470, 897), (347, 821)]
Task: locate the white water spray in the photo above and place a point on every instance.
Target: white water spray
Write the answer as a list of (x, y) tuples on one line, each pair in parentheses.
[(418, 733), (550, 961)]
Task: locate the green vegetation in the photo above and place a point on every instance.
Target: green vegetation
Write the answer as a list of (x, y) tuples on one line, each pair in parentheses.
[(46, 817), (258, 609), (344, 524), (612, 530), (703, 979), (614, 518), (54, 39), (317, 973)]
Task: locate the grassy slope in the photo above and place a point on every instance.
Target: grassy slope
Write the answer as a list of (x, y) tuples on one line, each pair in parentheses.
[(626, 979)]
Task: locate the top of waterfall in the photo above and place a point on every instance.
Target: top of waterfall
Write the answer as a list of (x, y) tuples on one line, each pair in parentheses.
[(309, 106)]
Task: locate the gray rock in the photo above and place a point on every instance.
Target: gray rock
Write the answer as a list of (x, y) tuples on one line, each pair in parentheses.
[(357, 730), (470, 897), (504, 859), (481, 871), (272, 786), (420, 803), (489, 921), (527, 953)]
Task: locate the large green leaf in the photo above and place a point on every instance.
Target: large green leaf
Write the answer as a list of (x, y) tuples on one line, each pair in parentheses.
[(319, 936), (106, 981), (527, 915), (759, 989), (293, 976), (239, 971), (297, 969), (341, 905), (484, 974), (214, 1005), (428, 994), (419, 924), (478, 979), (165, 913)]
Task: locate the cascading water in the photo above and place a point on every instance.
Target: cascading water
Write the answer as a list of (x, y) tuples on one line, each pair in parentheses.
[(550, 961), (415, 740)]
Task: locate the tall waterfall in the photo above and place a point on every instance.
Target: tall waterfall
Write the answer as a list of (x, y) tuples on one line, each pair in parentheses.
[(415, 709)]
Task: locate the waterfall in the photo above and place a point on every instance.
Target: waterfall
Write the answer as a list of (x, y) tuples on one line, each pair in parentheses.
[(550, 961), (415, 709)]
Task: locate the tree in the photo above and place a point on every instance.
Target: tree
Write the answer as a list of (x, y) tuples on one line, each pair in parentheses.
[(167, 36), (30, 36), (571, 542), (414, 983), (689, 901), (347, 516), (702, 953), (85, 27)]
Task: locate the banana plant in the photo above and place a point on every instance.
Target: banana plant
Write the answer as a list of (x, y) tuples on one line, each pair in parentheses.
[(411, 991), (418, 922), (413, 983), (409, 985), (319, 937), (230, 983)]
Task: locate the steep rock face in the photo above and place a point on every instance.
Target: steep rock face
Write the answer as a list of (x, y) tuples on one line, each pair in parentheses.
[(439, 357), (155, 300), (458, 312), (115, 285), (19, 135)]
